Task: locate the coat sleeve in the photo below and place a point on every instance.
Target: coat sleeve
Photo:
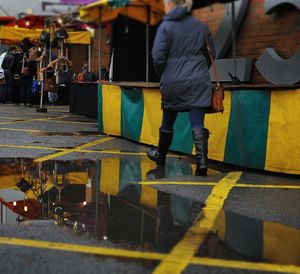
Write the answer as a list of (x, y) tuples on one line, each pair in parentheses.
[(160, 50)]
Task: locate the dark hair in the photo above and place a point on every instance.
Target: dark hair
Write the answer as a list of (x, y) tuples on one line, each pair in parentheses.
[(12, 48), (26, 44)]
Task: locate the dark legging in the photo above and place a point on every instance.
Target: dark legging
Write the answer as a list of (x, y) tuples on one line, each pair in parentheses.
[(196, 118)]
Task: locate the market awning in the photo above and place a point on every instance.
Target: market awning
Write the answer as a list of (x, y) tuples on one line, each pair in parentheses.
[(134, 9), (16, 35)]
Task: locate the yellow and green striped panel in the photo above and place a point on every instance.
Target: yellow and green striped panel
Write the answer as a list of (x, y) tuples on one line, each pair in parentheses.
[(218, 127), (283, 145), (152, 116), (248, 128), (258, 128), (111, 109)]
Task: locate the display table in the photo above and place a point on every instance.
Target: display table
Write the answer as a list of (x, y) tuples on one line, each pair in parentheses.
[(83, 99), (259, 128)]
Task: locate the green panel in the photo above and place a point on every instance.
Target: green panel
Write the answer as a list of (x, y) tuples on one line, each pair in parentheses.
[(118, 3), (180, 208), (130, 172), (244, 235), (248, 128), (100, 109), (177, 168), (183, 139), (132, 110)]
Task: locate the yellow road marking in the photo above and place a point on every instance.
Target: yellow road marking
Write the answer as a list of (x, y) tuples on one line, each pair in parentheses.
[(214, 184), (76, 149), (184, 251), (53, 121), (32, 147), (129, 254), (17, 129), (33, 120)]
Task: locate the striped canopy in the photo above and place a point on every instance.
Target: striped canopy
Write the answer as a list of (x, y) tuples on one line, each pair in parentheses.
[(135, 9)]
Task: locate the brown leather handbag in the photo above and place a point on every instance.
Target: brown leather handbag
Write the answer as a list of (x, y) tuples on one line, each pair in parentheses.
[(217, 90)]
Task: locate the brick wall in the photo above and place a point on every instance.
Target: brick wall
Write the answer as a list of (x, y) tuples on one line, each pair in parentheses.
[(78, 54), (280, 30), (95, 50)]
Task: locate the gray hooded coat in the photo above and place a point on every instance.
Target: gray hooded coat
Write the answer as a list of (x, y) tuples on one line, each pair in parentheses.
[(179, 55)]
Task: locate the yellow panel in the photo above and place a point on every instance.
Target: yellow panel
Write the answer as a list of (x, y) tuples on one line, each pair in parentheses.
[(110, 170), (16, 35), (80, 177), (111, 96), (9, 181), (79, 37), (281, 244), (152, 116), (283, 146), (218, 127), (148, 195)]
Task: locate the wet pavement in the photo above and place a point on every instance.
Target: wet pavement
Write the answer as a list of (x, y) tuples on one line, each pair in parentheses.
[(62, 183)]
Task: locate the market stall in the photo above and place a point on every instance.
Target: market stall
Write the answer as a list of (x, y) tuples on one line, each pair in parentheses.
[(252, 132), (257, 129)]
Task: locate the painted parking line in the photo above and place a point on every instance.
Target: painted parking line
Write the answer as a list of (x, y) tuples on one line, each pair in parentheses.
[(215, 183), (33, 120), (184, 251), (108, 152), (140, 255), (76, 149), (19, 129), (47, 119), (32, 147)]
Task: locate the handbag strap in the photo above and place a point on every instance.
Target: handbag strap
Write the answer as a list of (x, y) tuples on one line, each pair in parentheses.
[(212, 61)]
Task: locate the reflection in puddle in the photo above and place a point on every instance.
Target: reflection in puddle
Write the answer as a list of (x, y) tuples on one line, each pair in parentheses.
[(101, 199)]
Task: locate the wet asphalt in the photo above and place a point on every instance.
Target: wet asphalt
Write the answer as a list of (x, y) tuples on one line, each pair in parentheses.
[(23, 134)]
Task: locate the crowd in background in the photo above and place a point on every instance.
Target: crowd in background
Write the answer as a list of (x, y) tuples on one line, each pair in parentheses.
[(26, 69)]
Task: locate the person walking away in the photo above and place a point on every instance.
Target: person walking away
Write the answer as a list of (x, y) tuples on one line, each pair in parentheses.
[(2, 80), (30, 53), (7, 66), (179, 55), (17, 69)]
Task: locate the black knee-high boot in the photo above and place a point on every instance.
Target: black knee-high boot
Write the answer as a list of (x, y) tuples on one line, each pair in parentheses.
[(200, 136), (158, 154)]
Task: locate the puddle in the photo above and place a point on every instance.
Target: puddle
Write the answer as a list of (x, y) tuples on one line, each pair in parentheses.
[(101, 199)]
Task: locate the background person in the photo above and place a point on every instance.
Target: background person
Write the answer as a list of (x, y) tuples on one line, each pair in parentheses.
[(179, 55), (7, 66)]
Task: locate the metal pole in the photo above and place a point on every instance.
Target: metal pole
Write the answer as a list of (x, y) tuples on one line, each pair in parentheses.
[(99, 43), (89, 56), (233, 38), (147, 43)]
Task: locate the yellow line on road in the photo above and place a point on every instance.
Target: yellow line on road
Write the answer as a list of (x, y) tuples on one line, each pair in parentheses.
[(33, 120), (19, 129), (32, 147), (53, 121), (138, 255), (182, 254), (214, 184), (75, 149)]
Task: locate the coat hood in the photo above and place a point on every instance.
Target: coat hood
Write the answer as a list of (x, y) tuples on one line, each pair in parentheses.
[(176, 14)]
